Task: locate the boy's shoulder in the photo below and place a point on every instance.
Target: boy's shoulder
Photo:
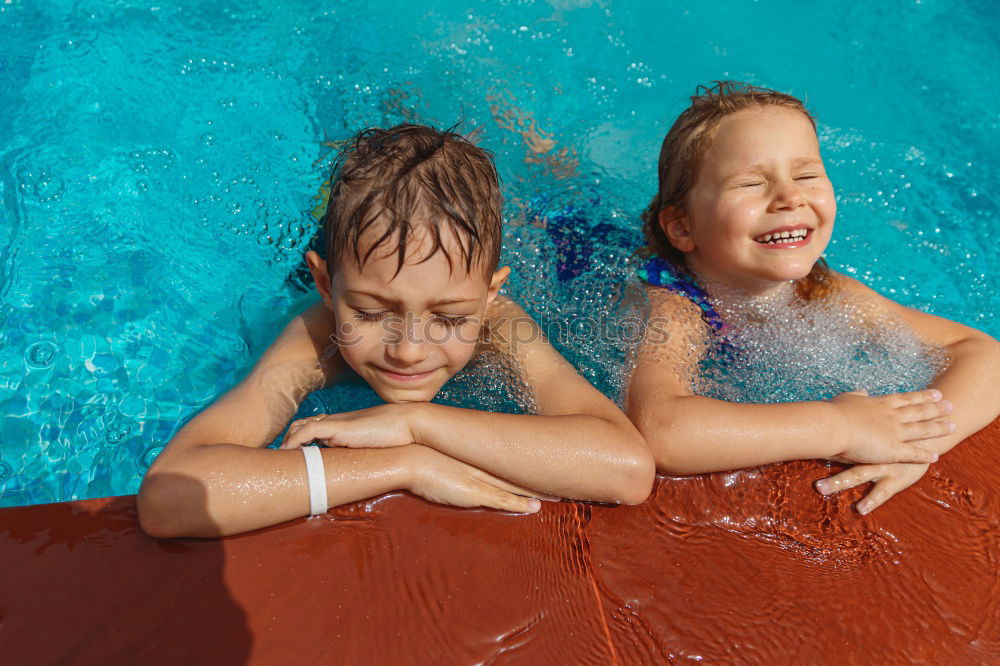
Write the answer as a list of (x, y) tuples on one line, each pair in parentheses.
[(305, 352), (508, 325), (504, 309)]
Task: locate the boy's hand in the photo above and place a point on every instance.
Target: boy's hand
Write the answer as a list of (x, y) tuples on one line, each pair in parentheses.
[(889, 480), (376, 427), (879, 430), (444, 480)]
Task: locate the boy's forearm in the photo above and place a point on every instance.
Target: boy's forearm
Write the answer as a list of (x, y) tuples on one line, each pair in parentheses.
[(578, 457), (694, 434), (223, 489)]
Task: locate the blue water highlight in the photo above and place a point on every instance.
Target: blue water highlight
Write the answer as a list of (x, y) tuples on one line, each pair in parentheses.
[(159, 162)]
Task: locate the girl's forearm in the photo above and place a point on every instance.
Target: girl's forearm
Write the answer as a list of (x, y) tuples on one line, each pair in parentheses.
[(573, 456), (222, 489), (694, 434), (972, 384)]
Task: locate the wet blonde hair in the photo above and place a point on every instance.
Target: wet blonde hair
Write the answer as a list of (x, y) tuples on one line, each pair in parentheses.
[(684, 148), (384, 180)]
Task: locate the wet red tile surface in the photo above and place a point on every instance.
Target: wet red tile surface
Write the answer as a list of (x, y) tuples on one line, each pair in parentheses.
[(750, 567)]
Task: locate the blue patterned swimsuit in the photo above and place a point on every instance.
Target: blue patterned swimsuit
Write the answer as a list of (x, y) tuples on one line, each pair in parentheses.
[(659, 272)]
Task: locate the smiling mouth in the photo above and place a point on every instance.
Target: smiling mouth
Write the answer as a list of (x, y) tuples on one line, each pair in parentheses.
[(404, 377), (785, 237)]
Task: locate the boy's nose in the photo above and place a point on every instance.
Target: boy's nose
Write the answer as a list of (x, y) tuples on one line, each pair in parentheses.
[(407, 345)]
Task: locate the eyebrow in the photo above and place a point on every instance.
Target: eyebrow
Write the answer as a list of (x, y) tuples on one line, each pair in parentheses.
[(382, 299), (760, 168)]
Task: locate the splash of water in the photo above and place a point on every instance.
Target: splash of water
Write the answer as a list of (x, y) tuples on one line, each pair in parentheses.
[(781, 348)]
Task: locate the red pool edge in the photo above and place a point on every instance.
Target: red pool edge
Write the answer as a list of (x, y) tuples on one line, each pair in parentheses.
[(752, 567)]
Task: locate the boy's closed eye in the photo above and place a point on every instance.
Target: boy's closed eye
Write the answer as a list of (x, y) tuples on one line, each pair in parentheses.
[(445, 318), (365, 315), (451, 320)]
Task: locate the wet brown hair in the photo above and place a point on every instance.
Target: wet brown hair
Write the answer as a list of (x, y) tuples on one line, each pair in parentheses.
[(392, 181), (685, 146)]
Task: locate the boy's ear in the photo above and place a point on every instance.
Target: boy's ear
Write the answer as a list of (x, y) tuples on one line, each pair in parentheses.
[(496, 282), (677, 227), (321, 276)]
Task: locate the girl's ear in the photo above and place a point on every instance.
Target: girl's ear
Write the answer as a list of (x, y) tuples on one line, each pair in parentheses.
[(676, 226), (496, 282), (321, 276)]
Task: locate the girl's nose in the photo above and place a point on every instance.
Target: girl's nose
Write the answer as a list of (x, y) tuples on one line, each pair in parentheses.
[(787, 196)]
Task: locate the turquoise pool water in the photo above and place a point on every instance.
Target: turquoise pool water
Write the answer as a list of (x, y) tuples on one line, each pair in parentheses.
[(158, 165)]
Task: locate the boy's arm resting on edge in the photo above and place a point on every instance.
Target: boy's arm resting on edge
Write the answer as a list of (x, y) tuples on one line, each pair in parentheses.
[(214, 477), (692, 434), (579, 445)]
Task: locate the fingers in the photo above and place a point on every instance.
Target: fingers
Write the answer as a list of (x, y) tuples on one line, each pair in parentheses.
[(285, 442), (912, 432), (849, 478), (515, 489), (906, 453), (878, 496), (294, 427), (913, 397), (498, 498), (889, 480), (305, 431), (924, 411), (886, 485)]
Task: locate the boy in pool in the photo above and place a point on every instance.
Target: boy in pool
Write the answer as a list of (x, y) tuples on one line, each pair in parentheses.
[(409, 288), (739, 225)]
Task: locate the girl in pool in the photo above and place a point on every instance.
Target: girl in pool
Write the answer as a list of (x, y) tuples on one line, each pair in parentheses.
[(738, 290)]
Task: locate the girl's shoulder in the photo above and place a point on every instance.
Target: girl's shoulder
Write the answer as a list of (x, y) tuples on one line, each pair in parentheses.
[(874, 307), (850, 286), (675, 327), (673, 305), (862, 298)]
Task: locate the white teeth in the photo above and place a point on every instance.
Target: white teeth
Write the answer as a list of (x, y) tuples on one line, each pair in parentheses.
[(783, 236)]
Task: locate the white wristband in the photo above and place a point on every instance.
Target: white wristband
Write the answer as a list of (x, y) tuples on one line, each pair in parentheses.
[(316, 478)]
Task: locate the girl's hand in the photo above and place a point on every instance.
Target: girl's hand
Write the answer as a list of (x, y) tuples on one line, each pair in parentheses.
[(376, 427), (879, 430), (444, 480), (889, 480)]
